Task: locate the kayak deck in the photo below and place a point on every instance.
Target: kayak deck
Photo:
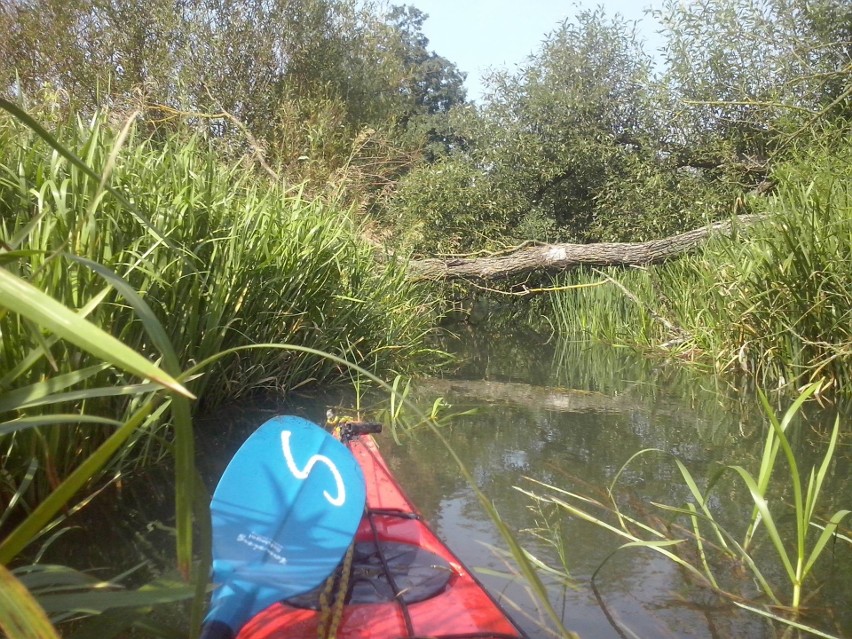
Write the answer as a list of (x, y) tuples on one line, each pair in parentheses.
[(461, 607)]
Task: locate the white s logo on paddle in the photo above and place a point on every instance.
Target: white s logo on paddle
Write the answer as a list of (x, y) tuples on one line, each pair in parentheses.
[(313, 461)]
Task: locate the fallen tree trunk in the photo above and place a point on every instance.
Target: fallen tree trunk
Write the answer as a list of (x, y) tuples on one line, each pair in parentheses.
[(563, 257)]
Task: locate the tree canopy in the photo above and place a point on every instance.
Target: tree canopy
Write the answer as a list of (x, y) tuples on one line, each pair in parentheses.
[(305, 77), (591, 139), (588, 141)]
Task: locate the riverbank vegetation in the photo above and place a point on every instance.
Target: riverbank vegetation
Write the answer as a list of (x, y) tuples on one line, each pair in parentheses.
[(185, 260), (193, 198), (221, 260), (594, 138), (770, 302), (588, 143)]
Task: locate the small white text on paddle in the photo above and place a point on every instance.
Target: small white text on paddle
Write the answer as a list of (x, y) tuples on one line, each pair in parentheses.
[(270, 547)]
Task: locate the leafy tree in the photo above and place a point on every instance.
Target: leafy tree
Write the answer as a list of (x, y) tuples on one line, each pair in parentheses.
[(247, 53), (547, 143), (744, 74), (433, 83), (585, 143)]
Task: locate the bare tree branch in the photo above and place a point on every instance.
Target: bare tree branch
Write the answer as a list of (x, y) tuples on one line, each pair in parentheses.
[(564, 257)]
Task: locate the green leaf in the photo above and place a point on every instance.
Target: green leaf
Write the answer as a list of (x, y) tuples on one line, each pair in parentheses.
[(768, 521), (184, 444), (21, 297), (827, 533), (8, 257), (23, 485), (787, 622), (94, 601), (50, 576), (37, 353), (90, 393), (22, 396), (21, 617), (49, 420)]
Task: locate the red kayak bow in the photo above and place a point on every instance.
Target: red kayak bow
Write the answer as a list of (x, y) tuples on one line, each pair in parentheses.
[(399, 581)]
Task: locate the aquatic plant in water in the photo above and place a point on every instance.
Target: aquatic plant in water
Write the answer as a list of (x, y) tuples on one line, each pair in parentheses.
[(696, 540)]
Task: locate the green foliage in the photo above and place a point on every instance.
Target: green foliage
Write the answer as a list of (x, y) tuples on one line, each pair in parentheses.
[(586, 143), (235, 263), (742, 74), (693, 538), (588, 304), (447, 206), (773, 301), (294, 84), (777, 303), (93, 290), (571, 147), (431, 85), (46, 442)]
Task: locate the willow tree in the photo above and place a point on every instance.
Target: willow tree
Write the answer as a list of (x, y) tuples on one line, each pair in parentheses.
[(587, 142), (548, 139), (743, 75)]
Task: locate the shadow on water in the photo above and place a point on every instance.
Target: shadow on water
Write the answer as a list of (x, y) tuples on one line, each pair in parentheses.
[(570, 414)]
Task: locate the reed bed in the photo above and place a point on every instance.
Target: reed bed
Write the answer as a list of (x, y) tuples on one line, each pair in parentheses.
[(773, 301), (221, 258)]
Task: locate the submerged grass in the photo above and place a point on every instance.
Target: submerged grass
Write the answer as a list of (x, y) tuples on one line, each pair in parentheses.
[(774, 302), (693, 537)]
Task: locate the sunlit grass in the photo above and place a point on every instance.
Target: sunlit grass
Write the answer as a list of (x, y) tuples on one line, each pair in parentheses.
[(132, 270), (692, 536), (219, 258), (773, 301)]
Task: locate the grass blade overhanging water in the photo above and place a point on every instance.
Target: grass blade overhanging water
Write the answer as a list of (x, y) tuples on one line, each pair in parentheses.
[(21, 617), (691, 548), (241, 263), (28, 301)]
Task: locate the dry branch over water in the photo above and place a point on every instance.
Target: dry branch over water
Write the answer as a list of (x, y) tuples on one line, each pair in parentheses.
[(563, 257)]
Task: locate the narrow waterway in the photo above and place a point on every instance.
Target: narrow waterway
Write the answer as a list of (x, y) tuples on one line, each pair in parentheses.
[(570, 415), (522, 410)]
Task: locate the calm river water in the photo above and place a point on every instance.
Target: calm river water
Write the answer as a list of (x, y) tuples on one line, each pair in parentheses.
[(570, 415)]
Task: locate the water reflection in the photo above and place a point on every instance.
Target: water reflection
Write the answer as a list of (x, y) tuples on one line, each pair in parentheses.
[(571, 414)]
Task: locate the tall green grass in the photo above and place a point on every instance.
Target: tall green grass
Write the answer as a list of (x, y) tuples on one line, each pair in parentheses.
[(129, 267), (773, 301), (221, 258)]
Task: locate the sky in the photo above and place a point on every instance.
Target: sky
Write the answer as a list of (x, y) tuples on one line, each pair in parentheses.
[(478, 34)]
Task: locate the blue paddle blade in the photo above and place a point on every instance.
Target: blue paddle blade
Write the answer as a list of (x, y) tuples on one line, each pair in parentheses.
[(284, 513)]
